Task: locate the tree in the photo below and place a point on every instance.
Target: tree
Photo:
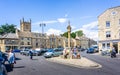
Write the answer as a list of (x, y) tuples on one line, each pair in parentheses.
[(1, 31), (65, 34), (79, 33), (73, 35), (6, 28)]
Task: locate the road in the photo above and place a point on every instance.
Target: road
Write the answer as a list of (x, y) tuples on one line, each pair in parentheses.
[(40, 66), (109, 65)]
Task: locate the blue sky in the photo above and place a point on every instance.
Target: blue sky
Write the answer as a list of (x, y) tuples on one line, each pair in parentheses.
[(56, 13)]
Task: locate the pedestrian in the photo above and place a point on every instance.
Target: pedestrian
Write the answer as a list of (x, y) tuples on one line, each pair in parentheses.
[(113, 52), (31, 54), (11, 58), (75, 52)]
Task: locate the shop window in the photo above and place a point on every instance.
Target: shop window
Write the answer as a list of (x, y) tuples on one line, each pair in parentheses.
[(103, 45)]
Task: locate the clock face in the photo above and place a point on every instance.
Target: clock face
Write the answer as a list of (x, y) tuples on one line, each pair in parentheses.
[(113, 13)]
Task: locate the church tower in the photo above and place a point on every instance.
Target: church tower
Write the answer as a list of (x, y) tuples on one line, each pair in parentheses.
[(25, 25)]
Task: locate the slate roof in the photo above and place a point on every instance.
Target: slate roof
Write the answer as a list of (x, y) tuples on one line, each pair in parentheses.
[(9, 35)]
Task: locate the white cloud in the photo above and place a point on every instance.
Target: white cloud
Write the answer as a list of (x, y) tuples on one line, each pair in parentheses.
[(90, 30), (59, 20), (73, 27), (90, 26), (54, 31), (62, 20)]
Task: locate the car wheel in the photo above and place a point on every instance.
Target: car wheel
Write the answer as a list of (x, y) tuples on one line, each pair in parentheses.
[(52, 55)]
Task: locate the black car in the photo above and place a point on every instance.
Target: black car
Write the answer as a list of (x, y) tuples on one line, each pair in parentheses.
[(3, 70)]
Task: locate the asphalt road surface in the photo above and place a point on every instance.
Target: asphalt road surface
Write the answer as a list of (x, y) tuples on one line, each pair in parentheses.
[(40, 66)]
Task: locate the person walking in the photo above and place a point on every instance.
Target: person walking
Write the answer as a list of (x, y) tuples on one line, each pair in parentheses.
[(11, 58), (113, 52), (31, 54)]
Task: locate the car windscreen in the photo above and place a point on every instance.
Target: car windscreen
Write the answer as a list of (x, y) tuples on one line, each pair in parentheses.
[(50, 50), (26, 50)]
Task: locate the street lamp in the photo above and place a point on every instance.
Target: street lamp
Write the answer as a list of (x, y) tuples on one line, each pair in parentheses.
[(89, 42), (42, 25), (12, 43)]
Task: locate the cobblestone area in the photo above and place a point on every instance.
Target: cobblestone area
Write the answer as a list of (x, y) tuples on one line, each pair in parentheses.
[(81, 63)]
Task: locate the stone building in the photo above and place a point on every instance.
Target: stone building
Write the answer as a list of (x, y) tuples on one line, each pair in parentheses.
[(28, 39), (8, 41), (109, 29), (24, 38), (85, 42)]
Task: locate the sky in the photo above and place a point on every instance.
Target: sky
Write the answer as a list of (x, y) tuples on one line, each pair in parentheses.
[(82, 14)]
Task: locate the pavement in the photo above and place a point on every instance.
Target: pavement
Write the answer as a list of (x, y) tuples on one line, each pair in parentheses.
[(80, 63)]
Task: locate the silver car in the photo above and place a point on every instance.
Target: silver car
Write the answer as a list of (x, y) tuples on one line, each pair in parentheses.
[(53, 52)]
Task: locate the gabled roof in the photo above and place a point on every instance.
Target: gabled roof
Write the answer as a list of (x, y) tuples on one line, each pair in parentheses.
[(108, 9)]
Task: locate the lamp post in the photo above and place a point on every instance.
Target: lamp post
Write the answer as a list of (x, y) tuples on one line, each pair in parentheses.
[(12, 43), (42, 25), (89, 42)]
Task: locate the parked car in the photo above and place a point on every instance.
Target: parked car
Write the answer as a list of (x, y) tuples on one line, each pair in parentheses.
[(90, 50), (36, 53), (25, 52), (105, 52), (53, 53), (96, 49), (16, 50), (3, 70), (93, 49), (81, 49), (49, 53), (57, 52), (43, 50)]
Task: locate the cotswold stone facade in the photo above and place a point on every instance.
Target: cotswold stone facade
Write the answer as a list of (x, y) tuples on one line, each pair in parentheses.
[(109, 29), (24, 38)]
